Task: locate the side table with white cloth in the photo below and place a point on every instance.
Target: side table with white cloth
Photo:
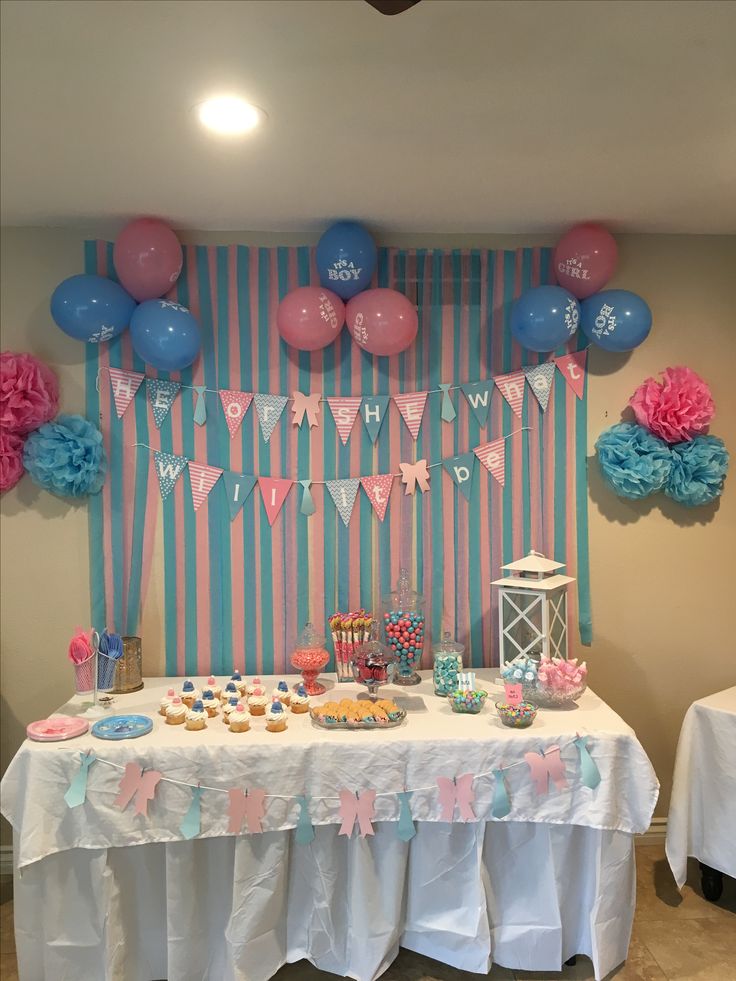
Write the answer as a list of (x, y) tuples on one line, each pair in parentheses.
[(553, 879), (702, 815)]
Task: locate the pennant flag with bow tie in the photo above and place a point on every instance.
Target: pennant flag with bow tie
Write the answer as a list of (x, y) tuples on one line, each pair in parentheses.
[(540, 378), (269, 409), (161, 395), (169, 468), (124, 386), (343, 493)]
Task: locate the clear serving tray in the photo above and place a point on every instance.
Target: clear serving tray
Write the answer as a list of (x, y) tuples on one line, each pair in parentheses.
[(355, 726)]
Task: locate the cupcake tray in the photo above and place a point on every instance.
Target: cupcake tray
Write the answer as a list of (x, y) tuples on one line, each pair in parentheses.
[(356, 727)]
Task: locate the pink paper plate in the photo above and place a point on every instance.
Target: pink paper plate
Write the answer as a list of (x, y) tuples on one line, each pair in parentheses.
[(56, 729)]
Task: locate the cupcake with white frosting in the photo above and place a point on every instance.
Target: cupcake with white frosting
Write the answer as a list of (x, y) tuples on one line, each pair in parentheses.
[(196, 717), (276, 717), (210, 703), (258, 701), (229, 691), (239, 718), (282, 693), (213, 686), (228, 708), (189, 694), (166, 701), (256, 683), (240, 683), (299, 700), (176, 712)]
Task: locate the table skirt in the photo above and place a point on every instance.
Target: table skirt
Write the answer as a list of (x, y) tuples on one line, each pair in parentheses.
[(524, 895)]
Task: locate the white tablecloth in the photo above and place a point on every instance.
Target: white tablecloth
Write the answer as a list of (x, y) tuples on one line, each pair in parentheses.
[(702, 815), (554, 878)]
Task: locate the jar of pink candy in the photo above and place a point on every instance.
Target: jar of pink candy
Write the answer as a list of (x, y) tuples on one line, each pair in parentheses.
[(559, 682), (403, 622), (310, 656)]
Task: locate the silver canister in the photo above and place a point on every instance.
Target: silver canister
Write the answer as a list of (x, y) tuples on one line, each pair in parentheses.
[(129, 669)]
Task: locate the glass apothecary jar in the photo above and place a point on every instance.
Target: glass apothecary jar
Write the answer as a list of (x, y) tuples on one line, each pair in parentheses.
[(448, 663), (403, 621), (310, 656), (373, 663)]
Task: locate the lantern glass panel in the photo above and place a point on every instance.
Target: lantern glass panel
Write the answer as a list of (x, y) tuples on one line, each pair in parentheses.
[(558, 624), (522, 614)]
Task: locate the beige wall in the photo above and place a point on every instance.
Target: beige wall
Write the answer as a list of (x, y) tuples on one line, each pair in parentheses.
[(660, 575)]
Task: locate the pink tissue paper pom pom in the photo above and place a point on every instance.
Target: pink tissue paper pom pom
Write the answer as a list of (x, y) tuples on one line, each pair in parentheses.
[(675, 409), (29, 392), (11, 459)]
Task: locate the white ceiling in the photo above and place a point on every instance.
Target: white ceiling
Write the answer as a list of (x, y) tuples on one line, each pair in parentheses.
[(456, 116)]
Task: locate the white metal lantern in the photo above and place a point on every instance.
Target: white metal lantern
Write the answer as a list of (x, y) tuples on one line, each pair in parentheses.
[(532, 608)]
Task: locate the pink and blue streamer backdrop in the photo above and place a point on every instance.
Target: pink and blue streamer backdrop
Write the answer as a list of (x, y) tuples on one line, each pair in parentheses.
[(238, 592)]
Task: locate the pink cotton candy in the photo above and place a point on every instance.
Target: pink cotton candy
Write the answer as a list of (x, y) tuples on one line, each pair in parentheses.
[(29, 393), (11, 459), (675, 409)]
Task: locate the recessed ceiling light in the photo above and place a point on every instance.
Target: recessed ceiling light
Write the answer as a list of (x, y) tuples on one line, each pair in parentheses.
[(229, 116)]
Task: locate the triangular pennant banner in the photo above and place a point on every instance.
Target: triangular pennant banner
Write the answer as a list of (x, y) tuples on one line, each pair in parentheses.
[(511, 386), (378, 489), (493, 457), (203, 478), (344, 411), (343, 493), (124, 386), (237, 487), (448, 409), (200, 409), (411, 407), (269, 409), (460, 468), (540, 378), (572, 367), (161, 395), (308, 506), (234, 405), (273, 491), (373, 411), (478, 395), (168, 469)]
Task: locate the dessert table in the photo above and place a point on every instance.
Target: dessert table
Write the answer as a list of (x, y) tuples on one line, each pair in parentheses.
[(703, 803), (552, 879)]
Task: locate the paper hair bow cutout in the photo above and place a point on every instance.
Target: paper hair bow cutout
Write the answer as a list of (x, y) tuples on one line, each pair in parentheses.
[(138, 783), (308, 404), (457, 791), (544, 767), (249, 805), (413, 474), (360, 808)]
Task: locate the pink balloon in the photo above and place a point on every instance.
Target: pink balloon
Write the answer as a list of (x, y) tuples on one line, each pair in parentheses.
[(310, 318), (382, 321), (585, 259), (148, 258)]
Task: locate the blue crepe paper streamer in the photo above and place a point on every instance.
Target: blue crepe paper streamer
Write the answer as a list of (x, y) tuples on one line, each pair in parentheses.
[(304, 828), (406, 829), (501, 804), (192, 823), (589, 772), (200, 409), (77, 792)]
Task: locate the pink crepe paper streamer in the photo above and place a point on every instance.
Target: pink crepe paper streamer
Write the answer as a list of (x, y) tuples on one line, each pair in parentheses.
[(545, 766), (251, 806), (413, 473), (305, 403), (458, 791), (138, 783), (352, 807)]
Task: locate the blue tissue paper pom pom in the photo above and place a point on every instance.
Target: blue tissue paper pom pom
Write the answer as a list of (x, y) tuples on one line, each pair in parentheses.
[(699, 468), (66, 457), (633, 461)]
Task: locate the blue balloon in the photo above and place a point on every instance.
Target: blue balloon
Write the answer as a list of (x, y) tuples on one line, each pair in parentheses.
[(165, 334), (616, 320), (545, 317), (91, 308), (346, 258)]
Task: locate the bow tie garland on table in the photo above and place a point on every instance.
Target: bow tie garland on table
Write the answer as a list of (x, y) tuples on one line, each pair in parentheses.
[(248, 807), (162, 394)]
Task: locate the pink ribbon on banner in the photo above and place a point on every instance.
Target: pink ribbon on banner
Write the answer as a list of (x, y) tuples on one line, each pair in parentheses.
[(137, 783), (250, 805), (354, 807), (413, 473), (305, 403), (458, 791), (544, 766)]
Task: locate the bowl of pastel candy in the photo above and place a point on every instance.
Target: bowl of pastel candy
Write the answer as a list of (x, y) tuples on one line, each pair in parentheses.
[(468, 702), (559, 682), (519, 715)]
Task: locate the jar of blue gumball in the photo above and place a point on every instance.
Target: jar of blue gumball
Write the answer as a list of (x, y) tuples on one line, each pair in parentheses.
[(403, 620), (448, 663)]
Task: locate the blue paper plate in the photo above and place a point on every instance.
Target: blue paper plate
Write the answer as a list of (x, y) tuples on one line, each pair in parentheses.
[(122, 727)]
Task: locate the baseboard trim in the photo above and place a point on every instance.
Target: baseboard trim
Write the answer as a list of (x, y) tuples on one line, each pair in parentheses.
[(655, 834), (6, 859)]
